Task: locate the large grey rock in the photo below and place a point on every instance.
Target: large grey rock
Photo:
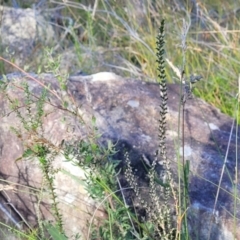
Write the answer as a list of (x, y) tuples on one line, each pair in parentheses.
[(126, 112), (24, 193), (23, 33)]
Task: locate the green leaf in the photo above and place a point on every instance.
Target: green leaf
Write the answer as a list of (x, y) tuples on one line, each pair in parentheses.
[(65, 104), (28, 153), (54, 232)]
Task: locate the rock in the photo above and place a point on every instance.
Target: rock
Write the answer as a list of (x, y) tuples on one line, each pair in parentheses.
[(23, 32), (22, 179), (126, 112)]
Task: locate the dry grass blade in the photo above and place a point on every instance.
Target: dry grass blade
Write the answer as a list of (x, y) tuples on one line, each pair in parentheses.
[(6, 187)]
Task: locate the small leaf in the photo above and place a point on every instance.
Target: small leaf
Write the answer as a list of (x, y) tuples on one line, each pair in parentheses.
[(65, 104), (19, 158), (54, 232), (28, 153)]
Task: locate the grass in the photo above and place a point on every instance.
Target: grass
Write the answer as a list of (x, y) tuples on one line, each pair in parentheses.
[(105, 36), (108, 36)]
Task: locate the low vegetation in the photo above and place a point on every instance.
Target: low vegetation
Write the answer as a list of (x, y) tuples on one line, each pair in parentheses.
[(197, 38)]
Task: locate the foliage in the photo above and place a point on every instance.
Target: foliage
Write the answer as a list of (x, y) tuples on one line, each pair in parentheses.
[(104, 35)]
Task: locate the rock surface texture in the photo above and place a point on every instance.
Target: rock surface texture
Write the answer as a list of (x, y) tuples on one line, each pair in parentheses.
[(23, 32), (127, 113)]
